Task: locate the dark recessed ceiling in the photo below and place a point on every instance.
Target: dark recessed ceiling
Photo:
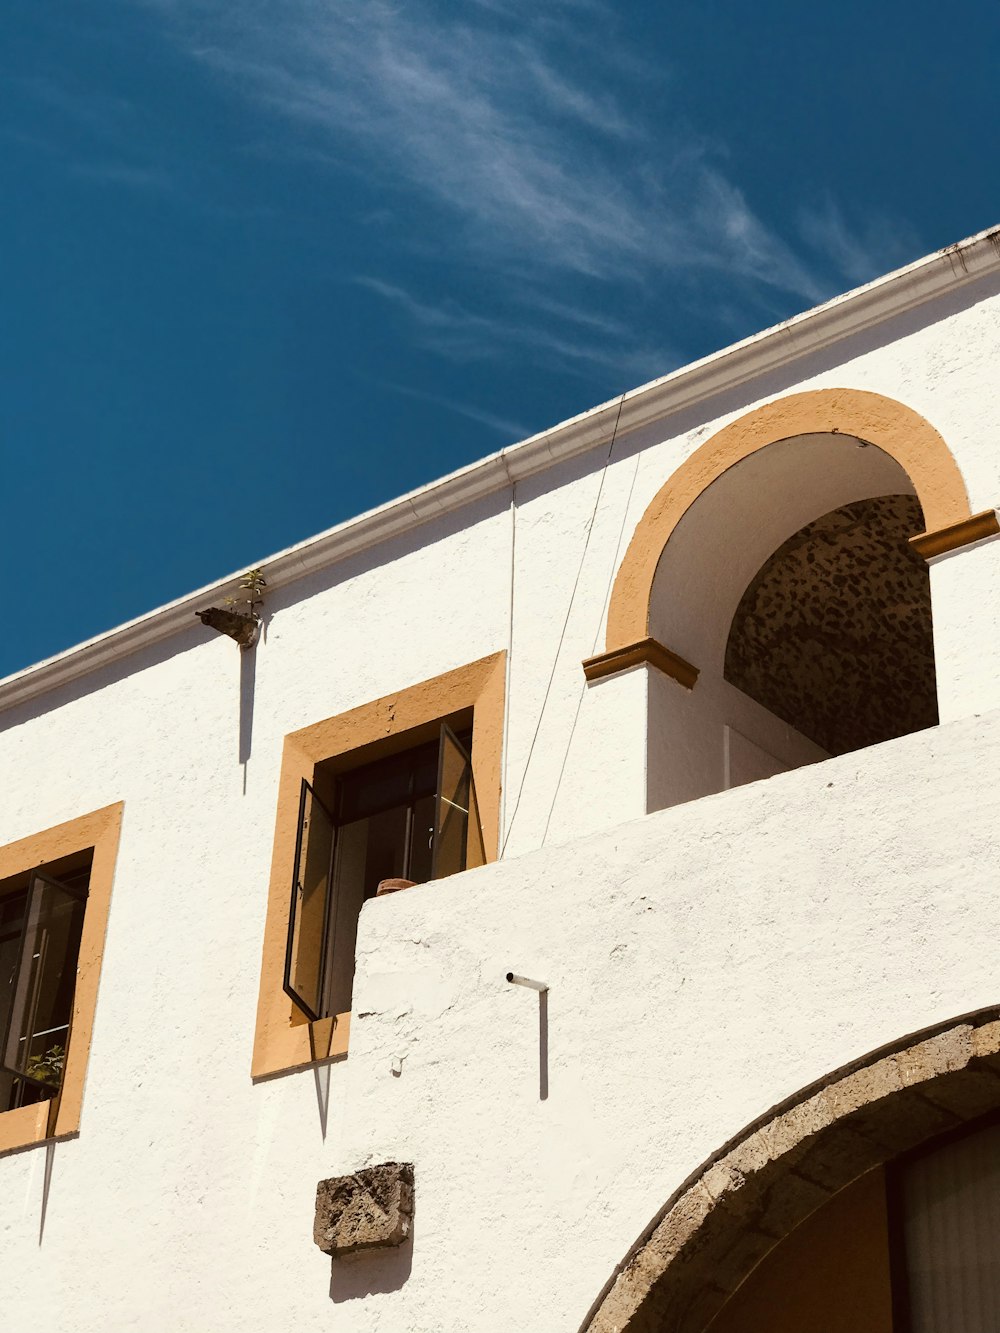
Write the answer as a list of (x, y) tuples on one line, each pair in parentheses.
[(834, 633)]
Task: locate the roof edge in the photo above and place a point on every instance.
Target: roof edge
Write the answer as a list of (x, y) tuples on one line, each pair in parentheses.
[(904, 289)]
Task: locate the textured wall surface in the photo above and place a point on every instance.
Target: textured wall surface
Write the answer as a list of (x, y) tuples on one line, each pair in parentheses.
[(704, 961)]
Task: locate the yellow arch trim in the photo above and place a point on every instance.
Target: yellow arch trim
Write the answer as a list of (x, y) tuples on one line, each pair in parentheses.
[(892, 427)]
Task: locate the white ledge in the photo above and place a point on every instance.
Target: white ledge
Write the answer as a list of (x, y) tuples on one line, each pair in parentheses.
[(878, 301)]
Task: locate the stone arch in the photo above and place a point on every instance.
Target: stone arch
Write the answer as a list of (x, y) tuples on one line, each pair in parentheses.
[(889, 425), (731, 1212)]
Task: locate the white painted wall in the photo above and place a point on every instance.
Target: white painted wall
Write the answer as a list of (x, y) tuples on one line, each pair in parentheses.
[(604, 779), (687, 738), (704, 960), (965, 593)]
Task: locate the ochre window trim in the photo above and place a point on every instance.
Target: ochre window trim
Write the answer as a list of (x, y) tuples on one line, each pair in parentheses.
[(59, 1118), (284, 1040)]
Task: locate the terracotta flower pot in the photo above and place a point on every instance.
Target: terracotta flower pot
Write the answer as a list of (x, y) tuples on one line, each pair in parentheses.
[(393, 886)]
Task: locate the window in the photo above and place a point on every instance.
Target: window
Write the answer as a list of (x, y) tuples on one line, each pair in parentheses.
[(40, 929), (55, 890), (378, 792), (410, 816), (946, 1214)]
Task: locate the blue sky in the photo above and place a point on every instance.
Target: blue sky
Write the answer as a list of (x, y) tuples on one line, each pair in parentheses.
[(266, 265)]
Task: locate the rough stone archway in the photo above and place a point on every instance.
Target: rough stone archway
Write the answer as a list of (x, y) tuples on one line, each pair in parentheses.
[(737, 1206)]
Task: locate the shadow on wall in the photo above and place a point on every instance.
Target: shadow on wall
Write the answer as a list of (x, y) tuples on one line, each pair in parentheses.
[(248, 689), (100, 678), (368, 1273)]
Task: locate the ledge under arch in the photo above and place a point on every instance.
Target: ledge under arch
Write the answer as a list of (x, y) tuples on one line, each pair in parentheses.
[(743, 1201), (889, 425)]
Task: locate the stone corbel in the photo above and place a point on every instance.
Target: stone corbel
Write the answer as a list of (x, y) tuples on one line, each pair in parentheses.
[(371, 1209)]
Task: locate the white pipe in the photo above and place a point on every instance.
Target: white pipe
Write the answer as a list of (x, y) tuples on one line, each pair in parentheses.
[(526, 981)]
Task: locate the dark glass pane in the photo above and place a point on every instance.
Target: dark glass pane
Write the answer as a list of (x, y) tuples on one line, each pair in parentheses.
[(388, 782), (26, 1093), (385, 848), (11, 925), (425, 771), (421, 861), (41, 1004), (309, 913), (951, 1229), (453, 800)]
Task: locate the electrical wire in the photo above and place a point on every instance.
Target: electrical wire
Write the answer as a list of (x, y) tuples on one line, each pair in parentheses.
[(593, 650), (505, 744), (562, 634)]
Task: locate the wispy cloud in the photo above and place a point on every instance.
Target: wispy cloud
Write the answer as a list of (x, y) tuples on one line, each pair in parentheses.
[(90, 107), (567, 336), (512, 136), (860, 254), (505, 426), (154, 179), (531, 158), (106, 149)]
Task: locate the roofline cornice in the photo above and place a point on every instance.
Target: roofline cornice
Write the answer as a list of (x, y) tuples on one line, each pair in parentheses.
[(905, 289)]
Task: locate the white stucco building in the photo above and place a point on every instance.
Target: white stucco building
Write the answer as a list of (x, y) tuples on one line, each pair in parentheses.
[(686, 709)]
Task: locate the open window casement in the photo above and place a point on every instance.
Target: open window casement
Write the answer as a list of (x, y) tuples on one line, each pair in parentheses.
[(308, 919), (39, 995), (411, 816), (458, 837)]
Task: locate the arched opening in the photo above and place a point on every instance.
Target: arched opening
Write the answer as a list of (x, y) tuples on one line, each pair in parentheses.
[(872, 418), (909, 1247), (874, 1193), (790, 583), (833, 634)]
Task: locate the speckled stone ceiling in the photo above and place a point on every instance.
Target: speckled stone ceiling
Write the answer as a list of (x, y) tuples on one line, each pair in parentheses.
[(834, 633)]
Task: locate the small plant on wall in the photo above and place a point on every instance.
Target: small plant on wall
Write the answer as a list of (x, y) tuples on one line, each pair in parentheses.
[(242, 624), (47, 1068), (253, 584)]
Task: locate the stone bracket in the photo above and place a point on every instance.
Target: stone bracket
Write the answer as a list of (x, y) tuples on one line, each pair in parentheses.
[(370, 1209)]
